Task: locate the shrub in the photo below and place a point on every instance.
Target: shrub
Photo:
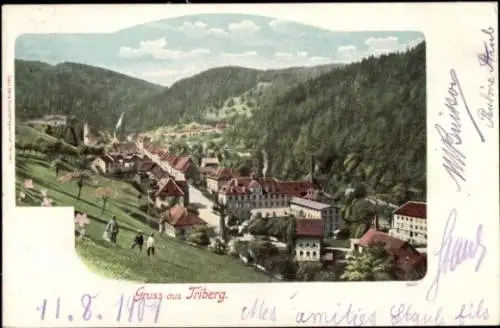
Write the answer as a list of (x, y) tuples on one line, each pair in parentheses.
[(218, 246), (201, 235), (308, 271)]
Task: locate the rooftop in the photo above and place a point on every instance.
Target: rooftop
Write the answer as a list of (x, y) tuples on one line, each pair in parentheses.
[(373, 237), (210, 160), (223, 173), (309, 228), (413, 209), (179, 216), (309, 203), (169, 188)]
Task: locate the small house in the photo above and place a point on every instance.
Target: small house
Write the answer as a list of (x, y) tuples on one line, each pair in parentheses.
[(210, 162), (131, 161), (167, 192), (185, 168), (309, 235), (410, 223), (219, 178), (406, 257), (205, 171), (104, 163), (179, 221)]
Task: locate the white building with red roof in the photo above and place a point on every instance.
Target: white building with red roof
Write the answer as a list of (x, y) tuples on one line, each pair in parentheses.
[(406, 257), (410, 223), (308, 236), (179, 221), (168, 191), (258, 192), (304, 208), (218, 178)]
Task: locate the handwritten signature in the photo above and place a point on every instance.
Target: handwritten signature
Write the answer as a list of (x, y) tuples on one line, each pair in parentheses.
[(453, 158), (454, 251), (404, 314), (486, 59)]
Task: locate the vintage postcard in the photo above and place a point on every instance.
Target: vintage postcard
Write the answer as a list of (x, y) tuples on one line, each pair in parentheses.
[(282, 165)]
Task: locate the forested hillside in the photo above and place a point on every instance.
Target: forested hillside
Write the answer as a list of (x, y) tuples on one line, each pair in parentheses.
[(364, 123), (192, 98), (89, 93), (99, 96)]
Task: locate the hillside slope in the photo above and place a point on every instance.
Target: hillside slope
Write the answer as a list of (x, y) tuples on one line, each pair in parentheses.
[(203, 96), (89, 93), (365, 124), (99, 96), (175, 261)]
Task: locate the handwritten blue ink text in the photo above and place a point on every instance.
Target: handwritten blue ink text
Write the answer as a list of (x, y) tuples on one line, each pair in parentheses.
[(472, 311), (404, 314), (259, 310), (486, 59), (343, 316), (454, 251)]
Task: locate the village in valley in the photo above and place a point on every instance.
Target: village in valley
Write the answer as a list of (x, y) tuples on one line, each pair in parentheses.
[(310, 172), (274, 225)]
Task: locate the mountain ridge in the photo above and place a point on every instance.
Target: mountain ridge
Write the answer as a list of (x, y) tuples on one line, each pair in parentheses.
[(99, 95)]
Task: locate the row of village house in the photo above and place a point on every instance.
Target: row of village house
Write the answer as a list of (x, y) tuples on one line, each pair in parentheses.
[(317, 217)]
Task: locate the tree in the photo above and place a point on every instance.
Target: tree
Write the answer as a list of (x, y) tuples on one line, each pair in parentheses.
[(79, 176), (218, 246), (196, 151), (263, 251), (307, 271), (57, 164), (71, 126), (238, 247), (373, 264), (363, 211), (221, 209), (201, 235), (291, 233), (104, 194), (326, 276), (258, 226), (48, 129), (287, 268)]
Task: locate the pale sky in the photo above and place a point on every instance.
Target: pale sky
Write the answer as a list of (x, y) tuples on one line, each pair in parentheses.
[(165, 50)]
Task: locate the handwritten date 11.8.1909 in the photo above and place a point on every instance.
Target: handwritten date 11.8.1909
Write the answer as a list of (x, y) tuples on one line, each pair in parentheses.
[(136, 309)]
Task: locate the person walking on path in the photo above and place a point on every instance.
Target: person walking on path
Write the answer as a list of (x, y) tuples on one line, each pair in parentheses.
[(150, 244), (138, 240), (113, 229)]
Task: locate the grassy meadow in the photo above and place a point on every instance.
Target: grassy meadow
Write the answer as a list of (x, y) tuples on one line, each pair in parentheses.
[(175, 261)]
